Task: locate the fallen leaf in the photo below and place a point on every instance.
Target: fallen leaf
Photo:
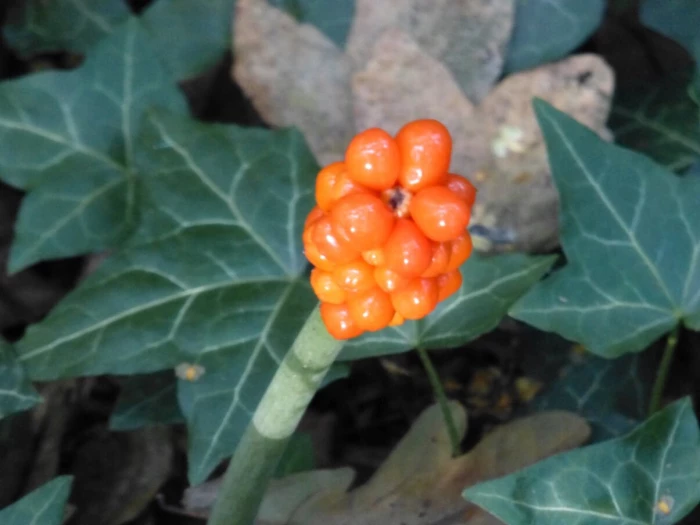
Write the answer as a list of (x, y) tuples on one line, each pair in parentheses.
[(517, 206), (469, 36), (420, 483), (391, 90), (294, 76)]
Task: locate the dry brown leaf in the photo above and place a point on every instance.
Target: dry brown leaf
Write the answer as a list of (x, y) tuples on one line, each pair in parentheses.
[(392, 90), (420, 483), (295, 76), (469, 36), (518, 204)]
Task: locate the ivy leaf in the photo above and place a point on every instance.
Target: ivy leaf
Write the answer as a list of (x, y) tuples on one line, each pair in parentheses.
[(332, 18), (612, 394), (16, 391), (490, 286), (650, 476), (214, 277), (190, 38), (631, 234), (68, 138), (567, 24), (676, 19), (38, 26), (77, 25), (44, 506), (654, 120), (146, 400)]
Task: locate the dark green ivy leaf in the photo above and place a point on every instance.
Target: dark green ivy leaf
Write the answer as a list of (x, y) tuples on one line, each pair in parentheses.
[(146, 399), (16, 391), (566, 24), (69, 138), (214, 277), (332, 18), (490, 286), (44, 506), (631, 234), (649, 477)]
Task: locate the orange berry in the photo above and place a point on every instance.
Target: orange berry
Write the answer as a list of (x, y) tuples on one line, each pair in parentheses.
[(330, 244), (440, 259), (425, 147), (363, 220), (416, 300), (325, 288), (397, 320), (461, 187), (315, 214), (439, 213), (374, 257), (312, 253), (334, 183), (371, 309), (460, 250), (407, 250), (338, 321), (356, 276), (373, 159), (388, 280), (448, 283)]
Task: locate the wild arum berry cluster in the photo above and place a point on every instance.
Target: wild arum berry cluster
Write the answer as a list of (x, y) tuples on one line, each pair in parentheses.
[(388, 234)]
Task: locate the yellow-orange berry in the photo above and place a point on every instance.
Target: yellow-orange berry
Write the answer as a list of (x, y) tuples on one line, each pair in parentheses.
[(371, 309), (461, 187), (388, 280), (325, 288), (448, 283), (338, 321), (355, 276), (426, 147), (330, 244), (372, 159), (334, 183), (363, 220), (407, 250), (439, 213), (417, 299), (460, 250)]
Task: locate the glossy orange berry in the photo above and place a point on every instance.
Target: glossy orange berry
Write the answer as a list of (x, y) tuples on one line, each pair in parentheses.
[(313, 254), (397, 320), (355, 276), (315, 214), (363, 220), (460, 250), (372, 159), (416, 300), (388, 280), (461, 187), (425, 147), (448, 283), (334, 183), (407, 250), (374, 257), (325, 288), (439, 213), (439, 261), (338, 321), (371, 309), (330, 244)]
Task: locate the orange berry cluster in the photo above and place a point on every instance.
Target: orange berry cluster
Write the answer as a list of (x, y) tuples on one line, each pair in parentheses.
[(388, 234)]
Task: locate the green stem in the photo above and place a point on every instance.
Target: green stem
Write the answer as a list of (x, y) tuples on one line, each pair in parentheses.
[(662, 373), (439, 391), (277, 416)]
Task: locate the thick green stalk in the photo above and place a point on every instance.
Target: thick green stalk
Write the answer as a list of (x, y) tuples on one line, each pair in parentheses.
[(277, 416), (662, 373), (444, 403)]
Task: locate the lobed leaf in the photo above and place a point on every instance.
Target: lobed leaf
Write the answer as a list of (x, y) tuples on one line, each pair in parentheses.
[(44, 506), (490, 286), (654, 120), (214, 277), (68, 138), (146, 400), (567, 24), (650, 476), (37, 26), (16, 391), (631, 234)]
